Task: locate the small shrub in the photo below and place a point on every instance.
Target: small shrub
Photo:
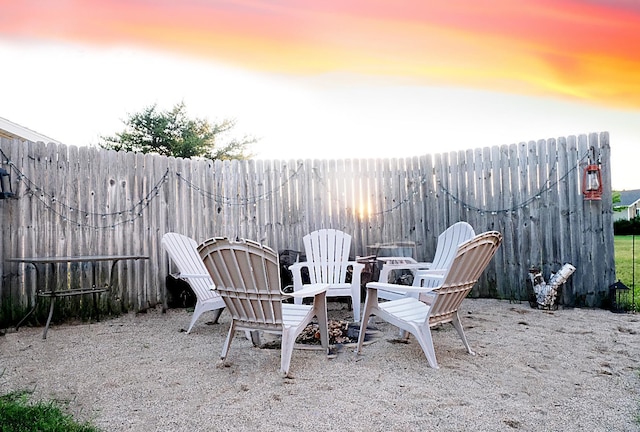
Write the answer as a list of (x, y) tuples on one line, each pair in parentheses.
[(627, 227)]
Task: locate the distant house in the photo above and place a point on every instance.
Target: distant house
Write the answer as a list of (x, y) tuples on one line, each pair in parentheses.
[(629, 205), (11, 130)]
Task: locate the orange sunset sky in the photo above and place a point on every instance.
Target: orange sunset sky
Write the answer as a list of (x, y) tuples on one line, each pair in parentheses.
[(332, 79)]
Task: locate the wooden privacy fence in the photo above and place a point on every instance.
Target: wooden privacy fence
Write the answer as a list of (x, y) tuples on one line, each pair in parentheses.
[(82, 201)]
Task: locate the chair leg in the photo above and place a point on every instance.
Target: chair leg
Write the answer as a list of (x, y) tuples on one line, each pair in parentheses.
[(370, 301), (320, 310), (216, 315), (196, 314), (458, 326), (254, 337), (286, 350), (199, 310), (227, 343), (355, 300), (425, 340)]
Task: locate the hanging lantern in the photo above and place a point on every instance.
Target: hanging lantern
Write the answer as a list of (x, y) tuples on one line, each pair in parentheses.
[(592, 179), (5, 185), (618, 297)]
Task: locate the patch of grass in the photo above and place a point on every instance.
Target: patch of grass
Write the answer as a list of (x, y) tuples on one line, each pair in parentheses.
[(625, 248), (17, 414)]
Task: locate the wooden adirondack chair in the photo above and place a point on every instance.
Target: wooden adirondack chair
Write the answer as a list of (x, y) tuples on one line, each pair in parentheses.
[(446, 248), (327, 254), (183, 252), (417, 317), (247, 276)]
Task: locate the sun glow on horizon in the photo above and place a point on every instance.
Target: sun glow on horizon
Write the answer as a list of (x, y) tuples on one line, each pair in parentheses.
[(584, 50)]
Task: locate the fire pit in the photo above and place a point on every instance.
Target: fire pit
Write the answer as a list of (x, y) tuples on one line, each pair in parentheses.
[(341, 332)]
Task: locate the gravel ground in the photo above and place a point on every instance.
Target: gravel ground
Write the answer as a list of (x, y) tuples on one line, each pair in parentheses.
[(566, 370)]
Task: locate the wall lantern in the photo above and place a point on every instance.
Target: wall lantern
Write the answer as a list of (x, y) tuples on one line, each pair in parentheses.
[(5, 185), (618, 296), (592, 179)]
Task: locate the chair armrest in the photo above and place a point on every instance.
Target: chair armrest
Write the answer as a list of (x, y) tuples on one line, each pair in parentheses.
[(397, 260), (430, 272), (309, 290), (436, 275), (193, 276), (298, 265), (356, 273), (407, 266), (388, 267), (357, 266), (402, 288), (296, 272)]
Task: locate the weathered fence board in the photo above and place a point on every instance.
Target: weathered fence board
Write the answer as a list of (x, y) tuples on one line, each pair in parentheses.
[(85, 200)]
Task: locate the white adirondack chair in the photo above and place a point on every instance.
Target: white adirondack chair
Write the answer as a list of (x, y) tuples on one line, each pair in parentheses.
[(446, 247), (247, 276), (417, 317), (183, 252), (327, 254)]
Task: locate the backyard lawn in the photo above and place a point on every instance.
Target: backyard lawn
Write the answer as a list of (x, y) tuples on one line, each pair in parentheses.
[(627, 257)]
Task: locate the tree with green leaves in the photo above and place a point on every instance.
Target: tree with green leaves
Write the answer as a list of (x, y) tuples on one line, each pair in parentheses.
[(173, 133), (615, 196)]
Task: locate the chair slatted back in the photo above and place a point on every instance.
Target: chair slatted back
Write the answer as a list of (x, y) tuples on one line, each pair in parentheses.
[(470, 261), (448, 242), (247, 276), (183, 252), (446, 249), (327, 252)]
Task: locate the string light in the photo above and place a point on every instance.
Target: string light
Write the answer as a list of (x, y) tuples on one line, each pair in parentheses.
[(523, 204), (50, 202), (53, 204), (238, 201), (135, 214), (63, 211), (414, 190)]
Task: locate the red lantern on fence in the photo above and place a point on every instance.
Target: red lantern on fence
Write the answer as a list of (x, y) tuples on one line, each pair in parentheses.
[(592, 180)]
